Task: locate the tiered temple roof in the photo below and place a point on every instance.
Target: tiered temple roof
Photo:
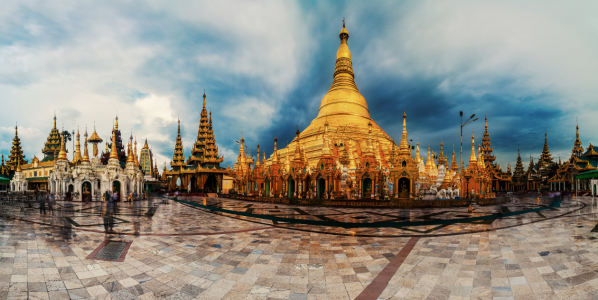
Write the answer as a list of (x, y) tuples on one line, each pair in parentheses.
[(545, 161), (487, 146), (178, 158), (119, 147), (52, 145), (205, 151), (519, 166), (16, 156)]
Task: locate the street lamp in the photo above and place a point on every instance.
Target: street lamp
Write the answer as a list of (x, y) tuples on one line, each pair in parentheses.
[(73, 143), (463, 125)]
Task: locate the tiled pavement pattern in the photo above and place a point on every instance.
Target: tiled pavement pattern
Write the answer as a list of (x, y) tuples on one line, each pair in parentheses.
[(552, 259), (538, 207)]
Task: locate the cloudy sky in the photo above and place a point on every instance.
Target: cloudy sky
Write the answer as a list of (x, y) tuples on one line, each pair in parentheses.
[(265, 66)]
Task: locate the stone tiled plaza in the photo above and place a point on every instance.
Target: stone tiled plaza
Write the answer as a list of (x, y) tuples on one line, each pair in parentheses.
[(529, 249)]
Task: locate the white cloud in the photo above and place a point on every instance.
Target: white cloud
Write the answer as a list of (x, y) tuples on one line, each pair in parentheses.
[(84, 60)]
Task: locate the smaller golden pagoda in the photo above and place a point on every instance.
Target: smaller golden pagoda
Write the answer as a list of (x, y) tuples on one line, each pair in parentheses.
[(95, 140)]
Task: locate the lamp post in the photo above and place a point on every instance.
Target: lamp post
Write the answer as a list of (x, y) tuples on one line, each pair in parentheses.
[(73, 143), (463, 125)]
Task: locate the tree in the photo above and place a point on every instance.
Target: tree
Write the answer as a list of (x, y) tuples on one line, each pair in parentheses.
[(66, 135)]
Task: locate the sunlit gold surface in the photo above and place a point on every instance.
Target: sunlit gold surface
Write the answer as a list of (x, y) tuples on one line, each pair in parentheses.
[(347, 114)]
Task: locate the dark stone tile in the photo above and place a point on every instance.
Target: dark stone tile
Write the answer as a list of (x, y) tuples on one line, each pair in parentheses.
[(113, 286), (36, 287), (123, 295), (138, 290), (191, 290)]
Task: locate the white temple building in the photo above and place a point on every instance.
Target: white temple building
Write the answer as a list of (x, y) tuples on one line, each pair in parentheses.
[(89, 179)]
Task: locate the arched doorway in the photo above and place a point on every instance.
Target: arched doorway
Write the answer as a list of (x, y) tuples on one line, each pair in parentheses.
[(403, 187), (291, 187), (116, 188), (211, 184), (71, 188), (366, 188), (86, 191), (321, 188)]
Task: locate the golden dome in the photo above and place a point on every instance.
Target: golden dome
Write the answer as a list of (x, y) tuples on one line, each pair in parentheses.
[(343, 113)]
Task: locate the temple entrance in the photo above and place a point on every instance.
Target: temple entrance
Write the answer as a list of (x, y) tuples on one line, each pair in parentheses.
[(71, 188), (86, 191), (116, 188), (193, 184), (403, 187), (321, 188), (267, 189), (366, 188), (211, 184), (291, 187)]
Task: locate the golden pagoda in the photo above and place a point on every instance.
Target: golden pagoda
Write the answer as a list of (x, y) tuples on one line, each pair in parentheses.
[(95, 140), (205, 151), (201, 173), (345, 111)]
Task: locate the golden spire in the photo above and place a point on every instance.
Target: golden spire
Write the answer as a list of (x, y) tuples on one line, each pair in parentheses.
[(85, 153), (257, 162), (145, 146), (130, 158), (343, 97), (19, 166), (275, 154), (404, 143), (204, 100), (62, 153), (54, 120), (242, 157), (116, 124), (472, 158), (78, 157), (113, 153)]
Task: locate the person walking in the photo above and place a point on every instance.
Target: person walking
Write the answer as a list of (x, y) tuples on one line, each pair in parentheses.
[(42, 205), (50, 200)]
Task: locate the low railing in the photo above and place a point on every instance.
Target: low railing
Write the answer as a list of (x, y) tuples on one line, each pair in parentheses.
[(362, 203)]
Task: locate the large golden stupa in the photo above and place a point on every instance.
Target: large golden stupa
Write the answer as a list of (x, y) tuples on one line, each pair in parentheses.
[(346, 112)]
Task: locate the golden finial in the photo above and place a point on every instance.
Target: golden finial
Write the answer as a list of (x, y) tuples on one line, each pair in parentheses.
[(113, 153), (62, 153), (116, 124), (85, 152), (19, 165)]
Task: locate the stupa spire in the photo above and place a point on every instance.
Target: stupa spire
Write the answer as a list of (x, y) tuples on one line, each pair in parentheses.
[(404, 142), (113, 151), (85, 152), (472, 158), (62, 153)]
